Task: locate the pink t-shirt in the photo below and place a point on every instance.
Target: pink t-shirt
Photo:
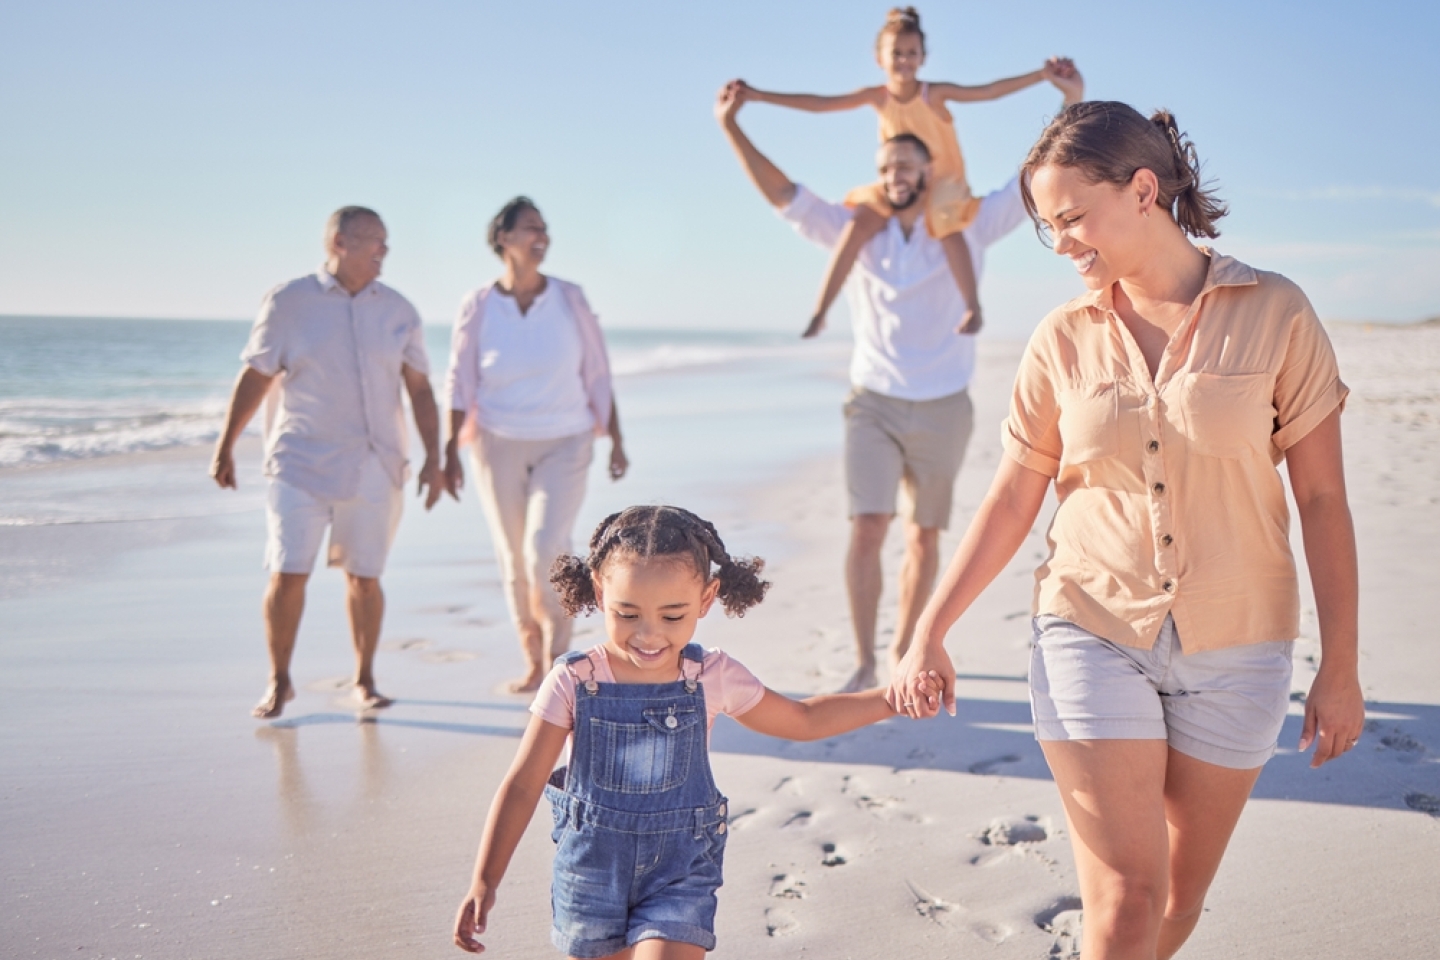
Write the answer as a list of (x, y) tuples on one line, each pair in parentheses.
[(730, 688)]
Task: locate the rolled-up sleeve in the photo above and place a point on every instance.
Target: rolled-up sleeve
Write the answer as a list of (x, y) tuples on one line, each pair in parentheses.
[(1031, 433), (1308, 386), (818, 221), (415, 356), (264, 351), (1000, 212), (462, 378)]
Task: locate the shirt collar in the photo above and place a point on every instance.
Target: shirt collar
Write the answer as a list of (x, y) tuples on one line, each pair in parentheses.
[(1223, 272), (328, 283)]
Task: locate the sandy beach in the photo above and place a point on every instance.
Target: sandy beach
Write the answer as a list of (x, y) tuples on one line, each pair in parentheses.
[(144, 813)]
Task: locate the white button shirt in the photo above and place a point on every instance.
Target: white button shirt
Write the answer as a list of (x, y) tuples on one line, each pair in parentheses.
[(904, 303), (338, 398)]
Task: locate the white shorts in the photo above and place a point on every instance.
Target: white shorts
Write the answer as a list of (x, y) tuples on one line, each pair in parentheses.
[(1224, 706), (361, 528)]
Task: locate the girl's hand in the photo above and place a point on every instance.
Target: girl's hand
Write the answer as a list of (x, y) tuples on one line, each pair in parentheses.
[(922, 682), (474, 914), (1334, 714)]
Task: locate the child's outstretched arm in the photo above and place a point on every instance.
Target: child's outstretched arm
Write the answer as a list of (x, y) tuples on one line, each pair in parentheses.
[(813, 102), (958, 93), (815, 718), (510, 814)]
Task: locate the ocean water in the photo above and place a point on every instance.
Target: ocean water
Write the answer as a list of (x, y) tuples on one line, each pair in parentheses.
[(82, 392)]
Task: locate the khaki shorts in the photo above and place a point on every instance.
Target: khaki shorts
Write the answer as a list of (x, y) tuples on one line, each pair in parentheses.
[(361, 528), (914, 445)]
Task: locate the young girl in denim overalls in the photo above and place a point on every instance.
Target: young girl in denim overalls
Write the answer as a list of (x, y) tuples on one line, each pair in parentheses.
[(640, 826)]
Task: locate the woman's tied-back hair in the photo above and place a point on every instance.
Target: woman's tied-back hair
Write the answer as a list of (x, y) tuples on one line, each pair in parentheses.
[(898, 22), (504, 221), (1109, 141), (653, 532)]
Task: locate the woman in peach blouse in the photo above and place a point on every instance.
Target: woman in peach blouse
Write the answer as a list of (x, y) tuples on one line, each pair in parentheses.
[(1160, 404)]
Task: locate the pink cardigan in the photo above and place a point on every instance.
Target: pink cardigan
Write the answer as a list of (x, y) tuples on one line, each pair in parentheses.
[(462, 380)]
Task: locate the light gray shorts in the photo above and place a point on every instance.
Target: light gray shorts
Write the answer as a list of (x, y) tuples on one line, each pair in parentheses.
[(911, 445), (1224, 707)]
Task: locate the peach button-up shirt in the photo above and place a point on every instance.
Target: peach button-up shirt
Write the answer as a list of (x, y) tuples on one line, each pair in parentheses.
[(1170, 497)]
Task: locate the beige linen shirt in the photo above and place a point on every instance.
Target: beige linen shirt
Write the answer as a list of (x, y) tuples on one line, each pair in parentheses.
[(338, 398), (1170, 500)]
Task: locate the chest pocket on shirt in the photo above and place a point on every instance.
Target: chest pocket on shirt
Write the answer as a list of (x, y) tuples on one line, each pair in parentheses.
[(1089, 422), (649, 757), (1228, 416)]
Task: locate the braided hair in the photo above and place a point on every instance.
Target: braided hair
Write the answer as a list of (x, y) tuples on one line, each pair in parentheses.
[(648, 532)]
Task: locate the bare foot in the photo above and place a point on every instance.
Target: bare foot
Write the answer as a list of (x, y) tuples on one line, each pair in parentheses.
[(863, 679), (528, 683), (279, 693), (369, 698), (816, 325)]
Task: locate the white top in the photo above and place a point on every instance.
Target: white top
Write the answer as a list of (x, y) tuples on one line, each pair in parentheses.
[(529, 386), (338, 396), (903, 299)]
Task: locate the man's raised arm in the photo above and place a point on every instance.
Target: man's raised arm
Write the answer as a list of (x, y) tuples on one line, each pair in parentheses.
[(774, 185)]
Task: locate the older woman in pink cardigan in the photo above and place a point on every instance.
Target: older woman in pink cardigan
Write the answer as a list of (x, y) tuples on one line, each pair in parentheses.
[(529, 390)]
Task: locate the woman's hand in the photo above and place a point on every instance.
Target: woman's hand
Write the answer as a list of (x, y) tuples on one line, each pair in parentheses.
[(922, 681), (454, 472), (1334, 714), (472, 918), (619, 463)]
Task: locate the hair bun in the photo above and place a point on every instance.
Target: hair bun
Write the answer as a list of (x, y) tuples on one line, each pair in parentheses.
[(903, 15)]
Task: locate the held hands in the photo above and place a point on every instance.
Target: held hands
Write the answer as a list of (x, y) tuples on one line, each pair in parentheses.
[(454, 473), (1064, 76), (1334, 714), (432, 482), (731, 98), (473, 916), (922, 682)]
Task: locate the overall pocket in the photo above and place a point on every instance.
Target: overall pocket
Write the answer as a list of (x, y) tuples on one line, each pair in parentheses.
[(649, 757)]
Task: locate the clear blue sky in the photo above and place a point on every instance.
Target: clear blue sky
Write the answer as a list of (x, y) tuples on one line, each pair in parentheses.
[(177, 159)]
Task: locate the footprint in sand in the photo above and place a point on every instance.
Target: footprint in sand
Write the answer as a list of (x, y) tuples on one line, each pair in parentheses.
[(927, 905), (787, 887), (830, 855), (986, 767), (1401, 742), (449, 656), (734, 820), (1062, 919), (780, 922), (1423, 802), (1007, 833), (413, 643), (800, 818)]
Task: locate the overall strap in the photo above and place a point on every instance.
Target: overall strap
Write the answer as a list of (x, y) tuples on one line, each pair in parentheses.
[(571, 661), (692, 665)]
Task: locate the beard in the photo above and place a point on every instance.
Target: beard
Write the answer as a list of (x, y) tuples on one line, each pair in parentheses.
[(913, 199)]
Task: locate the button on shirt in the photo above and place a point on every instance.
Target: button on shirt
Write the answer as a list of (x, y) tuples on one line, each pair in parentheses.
[(339, 394), (904, 304), (1170, 500)]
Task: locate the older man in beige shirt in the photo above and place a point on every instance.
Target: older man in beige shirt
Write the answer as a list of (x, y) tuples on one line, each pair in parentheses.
[(336, 346)]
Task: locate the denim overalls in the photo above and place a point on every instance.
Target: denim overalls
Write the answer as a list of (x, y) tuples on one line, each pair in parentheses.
[(639, 824)]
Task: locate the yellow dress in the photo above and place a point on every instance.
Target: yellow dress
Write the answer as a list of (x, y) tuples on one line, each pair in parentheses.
[(950, 207)]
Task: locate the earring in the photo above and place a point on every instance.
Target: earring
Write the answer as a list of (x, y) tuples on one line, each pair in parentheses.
[(1145, 214)]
